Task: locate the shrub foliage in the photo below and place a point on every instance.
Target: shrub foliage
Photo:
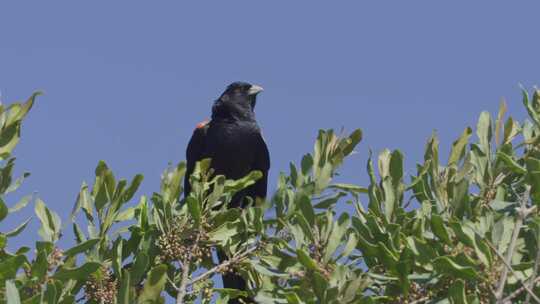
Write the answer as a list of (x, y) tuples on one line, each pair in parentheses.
[(464, 230)]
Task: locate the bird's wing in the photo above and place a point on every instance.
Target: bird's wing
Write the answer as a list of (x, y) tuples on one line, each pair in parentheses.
[(262, 163), (194, 152)]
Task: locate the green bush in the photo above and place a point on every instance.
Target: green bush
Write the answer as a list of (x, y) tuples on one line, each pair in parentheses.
[(462, 231)]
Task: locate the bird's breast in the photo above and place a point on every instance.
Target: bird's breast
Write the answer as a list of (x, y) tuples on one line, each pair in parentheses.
[(232, 148)]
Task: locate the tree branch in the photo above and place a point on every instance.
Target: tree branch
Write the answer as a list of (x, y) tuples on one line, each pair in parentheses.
[(517, 292), (421, 300), (510, 252), (509, 267), (535, 272), (233, 260), (182, 289)]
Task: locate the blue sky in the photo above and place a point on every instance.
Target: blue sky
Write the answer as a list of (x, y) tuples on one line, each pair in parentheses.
[(127, 81)]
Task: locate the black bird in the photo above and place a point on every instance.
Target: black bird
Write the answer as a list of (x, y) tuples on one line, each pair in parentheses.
[(233, 140)]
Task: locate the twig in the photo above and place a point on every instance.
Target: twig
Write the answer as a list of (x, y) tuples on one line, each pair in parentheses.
[(182, 289), (233, 260), (421, 300), (172, 283), (535, 272), (509, 267), (510, 252), (517, 292)]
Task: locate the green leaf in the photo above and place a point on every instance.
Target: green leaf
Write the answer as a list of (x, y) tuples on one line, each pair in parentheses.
[(50, 222), (352, 141), (154, 285), (383, 163), (349, 188), (12, 294), (50, 293), (17, 183), (298, 234), (456, 292), (103, 184), (125, 215), (534, 225), (323, 177), (18, 229), (533, 177), (3, 241), (133, 187), (9, 138), (306, 260), (194, 208), (21, 203), (266, 271), (532, 113), (40, 266), (511, 130), (124, 291), (502, 233), (390, 199), (117, 257), (336, 236), (82, 247), (396, 166), (307, 164), (296, 178), (18, 111), (80, 273), (222, 299), (351, 244), (231, 293), (79, 235), (458, 147), (3, 210), (306, 229), (511, 163), (140, 267), (292, 298), (446, 266), (320, 286), (304, 204), (84, 201), (498, 121), (6, 173), (484, 132), (329, 202), (439, 228), (10, 265), (388, 257), (233, 186)]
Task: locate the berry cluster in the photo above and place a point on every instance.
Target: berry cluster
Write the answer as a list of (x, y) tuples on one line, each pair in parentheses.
[(285, 234), (316, 253), (225, 269), (180, 242), (101, 290), (204, 288), (55, 258)]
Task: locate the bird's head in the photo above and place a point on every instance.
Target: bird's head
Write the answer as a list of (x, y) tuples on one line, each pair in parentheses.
[(238, 101)]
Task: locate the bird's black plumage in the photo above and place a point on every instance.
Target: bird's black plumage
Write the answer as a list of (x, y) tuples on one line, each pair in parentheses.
[(233, 141)]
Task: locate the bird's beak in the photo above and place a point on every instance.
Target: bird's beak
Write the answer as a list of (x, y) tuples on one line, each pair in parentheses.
[(254, 90)]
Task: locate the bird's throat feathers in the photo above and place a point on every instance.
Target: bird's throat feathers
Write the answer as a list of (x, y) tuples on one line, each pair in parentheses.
[(227, 110)]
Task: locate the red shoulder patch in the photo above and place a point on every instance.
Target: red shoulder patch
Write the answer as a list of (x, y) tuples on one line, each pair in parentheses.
[(202, 124)]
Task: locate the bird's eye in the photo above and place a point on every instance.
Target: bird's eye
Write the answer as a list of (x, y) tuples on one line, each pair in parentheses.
[(225, 97)]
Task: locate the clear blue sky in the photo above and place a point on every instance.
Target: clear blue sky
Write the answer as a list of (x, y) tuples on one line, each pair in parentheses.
[(127, 81)]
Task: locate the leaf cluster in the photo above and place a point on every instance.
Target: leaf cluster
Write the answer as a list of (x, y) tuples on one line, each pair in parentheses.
[(461, 230)]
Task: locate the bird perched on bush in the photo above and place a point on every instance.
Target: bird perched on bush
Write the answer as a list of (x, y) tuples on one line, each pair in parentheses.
[(232, 140)]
